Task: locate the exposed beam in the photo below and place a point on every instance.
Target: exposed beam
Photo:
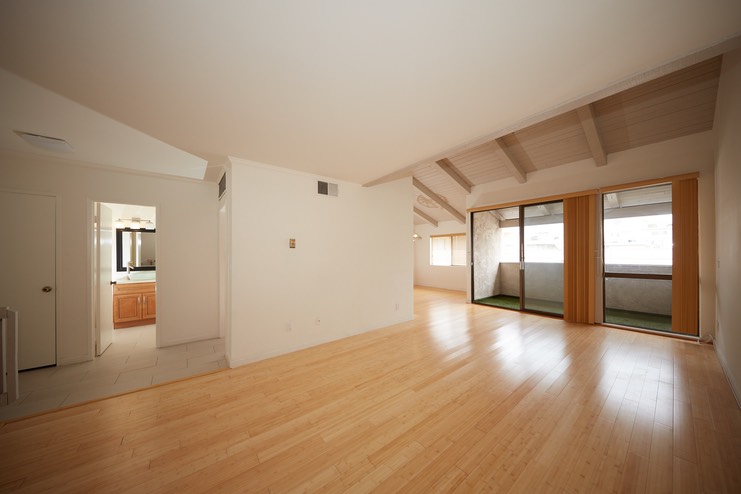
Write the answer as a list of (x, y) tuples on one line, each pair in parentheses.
[(586, 117), (630, 81), (436, 198), (407, 171), (429, 219), (509, 160), (496, 214), (447, 167), (611, 200)]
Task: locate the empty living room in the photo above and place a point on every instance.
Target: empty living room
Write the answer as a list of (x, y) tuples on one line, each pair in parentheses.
[(323, 246)]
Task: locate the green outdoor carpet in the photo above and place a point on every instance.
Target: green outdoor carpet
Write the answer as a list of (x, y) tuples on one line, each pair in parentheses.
[(633, 319), (504, 301), (510, 302)]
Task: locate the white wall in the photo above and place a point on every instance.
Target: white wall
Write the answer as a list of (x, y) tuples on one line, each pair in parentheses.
[(186, 245), (728, 217), (447, 277), (687, 154), (351, 270)]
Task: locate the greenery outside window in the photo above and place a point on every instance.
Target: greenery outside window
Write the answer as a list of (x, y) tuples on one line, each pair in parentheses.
[(448, 250)]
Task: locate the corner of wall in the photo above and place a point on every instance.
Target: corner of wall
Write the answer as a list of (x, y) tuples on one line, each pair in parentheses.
[(728, 220)]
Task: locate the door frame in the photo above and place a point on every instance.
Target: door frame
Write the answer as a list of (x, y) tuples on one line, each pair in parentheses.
[(91, 308), (103, 332)]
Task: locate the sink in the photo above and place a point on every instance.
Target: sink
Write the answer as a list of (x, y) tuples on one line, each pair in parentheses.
[(143, 275), (139, 277)]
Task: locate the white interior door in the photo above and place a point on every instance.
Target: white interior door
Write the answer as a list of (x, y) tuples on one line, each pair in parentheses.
[(27, 274), (102, 274)]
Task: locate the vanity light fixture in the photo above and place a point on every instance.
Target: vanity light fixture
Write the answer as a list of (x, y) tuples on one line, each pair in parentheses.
[(134, 224)]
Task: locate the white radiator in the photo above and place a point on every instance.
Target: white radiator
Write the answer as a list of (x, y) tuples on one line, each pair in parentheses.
[(9, 355)]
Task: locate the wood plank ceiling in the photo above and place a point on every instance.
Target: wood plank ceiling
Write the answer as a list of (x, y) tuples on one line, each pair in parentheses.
[(675, 105)]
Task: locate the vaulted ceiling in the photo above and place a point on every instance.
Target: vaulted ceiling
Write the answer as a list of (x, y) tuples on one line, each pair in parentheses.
[(675, 105), (455, 93)]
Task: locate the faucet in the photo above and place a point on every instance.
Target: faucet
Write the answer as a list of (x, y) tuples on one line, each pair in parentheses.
[(129, 266)]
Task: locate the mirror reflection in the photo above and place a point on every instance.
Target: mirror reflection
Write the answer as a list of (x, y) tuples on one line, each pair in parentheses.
[(135, 249)]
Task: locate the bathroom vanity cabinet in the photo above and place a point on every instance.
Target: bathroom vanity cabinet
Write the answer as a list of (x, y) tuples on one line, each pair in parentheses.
[(134, 304)]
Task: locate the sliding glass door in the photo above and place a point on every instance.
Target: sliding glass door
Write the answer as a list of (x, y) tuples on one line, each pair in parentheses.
[(542, 257), (638, 242), (517, 256), (496, 257)]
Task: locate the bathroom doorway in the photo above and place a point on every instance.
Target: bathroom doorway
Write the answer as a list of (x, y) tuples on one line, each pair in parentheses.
[(124, 278)]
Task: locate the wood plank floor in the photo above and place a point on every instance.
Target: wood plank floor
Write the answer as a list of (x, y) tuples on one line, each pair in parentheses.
[(463, 399)]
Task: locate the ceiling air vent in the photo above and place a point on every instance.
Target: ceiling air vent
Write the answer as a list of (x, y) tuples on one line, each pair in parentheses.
[(45, 142), (326, 188)]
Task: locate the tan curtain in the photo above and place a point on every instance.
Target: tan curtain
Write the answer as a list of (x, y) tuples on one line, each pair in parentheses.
[(578, 215), (685, 263)]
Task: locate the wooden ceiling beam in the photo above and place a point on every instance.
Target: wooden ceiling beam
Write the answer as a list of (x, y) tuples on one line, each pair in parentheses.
[(509, 160), (437, 199), (588, 123), (447, 168), (496, 214), (429, 219), (704, 53)]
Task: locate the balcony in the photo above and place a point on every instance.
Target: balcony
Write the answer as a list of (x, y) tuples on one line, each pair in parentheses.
[(633, 302)]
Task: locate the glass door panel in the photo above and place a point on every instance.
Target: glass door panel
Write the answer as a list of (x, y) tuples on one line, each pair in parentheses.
[(496, 257), (637, 236), (542, 257)]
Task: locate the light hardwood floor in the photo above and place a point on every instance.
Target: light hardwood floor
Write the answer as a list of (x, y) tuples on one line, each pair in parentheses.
[(464, 398)]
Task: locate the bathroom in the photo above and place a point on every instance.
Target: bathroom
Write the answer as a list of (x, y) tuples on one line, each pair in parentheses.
[(133, 265)]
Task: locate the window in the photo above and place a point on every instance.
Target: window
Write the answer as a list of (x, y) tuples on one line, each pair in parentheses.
[(448, 250)]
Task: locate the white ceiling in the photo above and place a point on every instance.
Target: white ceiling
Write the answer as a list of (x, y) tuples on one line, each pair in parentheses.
[(349, 90), (94, 138)]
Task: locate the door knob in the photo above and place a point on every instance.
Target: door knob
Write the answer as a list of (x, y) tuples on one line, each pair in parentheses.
[(46, 289)]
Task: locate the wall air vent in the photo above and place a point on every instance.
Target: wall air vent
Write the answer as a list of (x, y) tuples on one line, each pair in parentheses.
[(326, 188), (45, 142), (222, 185)]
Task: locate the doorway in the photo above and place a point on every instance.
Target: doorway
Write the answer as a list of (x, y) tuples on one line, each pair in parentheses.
[(518, 256), (118, 227)]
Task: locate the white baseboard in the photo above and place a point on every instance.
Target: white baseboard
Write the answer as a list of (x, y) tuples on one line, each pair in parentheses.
[(192, 339), (73, 360), (735, 388), (256, 357)]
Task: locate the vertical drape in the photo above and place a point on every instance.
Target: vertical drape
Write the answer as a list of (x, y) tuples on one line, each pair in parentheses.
[(578, 215), (685, 263)]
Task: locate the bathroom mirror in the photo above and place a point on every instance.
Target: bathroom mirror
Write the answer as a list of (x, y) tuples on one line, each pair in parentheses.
[(137, 247)]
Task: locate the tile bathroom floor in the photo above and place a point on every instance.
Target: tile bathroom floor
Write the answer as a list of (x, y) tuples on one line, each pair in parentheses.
[(131, 362)]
